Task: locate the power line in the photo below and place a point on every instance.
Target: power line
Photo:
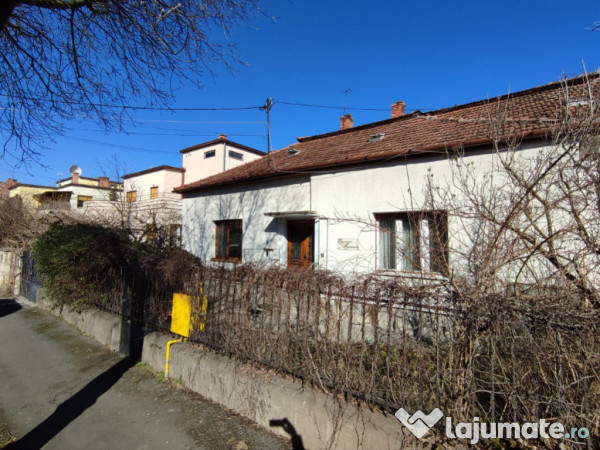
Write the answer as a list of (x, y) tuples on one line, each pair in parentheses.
[(198, 122), (233, 108), (190, 133), (343, 108), (281, 102), (124, 147), (142, 108)]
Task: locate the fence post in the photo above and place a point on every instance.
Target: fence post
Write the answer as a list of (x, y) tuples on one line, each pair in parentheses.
[(125, 344)]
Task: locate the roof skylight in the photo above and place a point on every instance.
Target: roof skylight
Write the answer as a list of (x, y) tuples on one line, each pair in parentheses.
[(376, 137)]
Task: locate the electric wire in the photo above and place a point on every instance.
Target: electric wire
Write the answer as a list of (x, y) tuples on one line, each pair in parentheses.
[(139, 107), (119, 146)]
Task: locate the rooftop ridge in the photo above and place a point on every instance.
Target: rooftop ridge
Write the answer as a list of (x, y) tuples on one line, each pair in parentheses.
[(530, 114), (573, 81), (218, 141)]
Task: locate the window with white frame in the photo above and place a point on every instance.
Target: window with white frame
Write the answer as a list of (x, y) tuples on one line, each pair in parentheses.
[(413, 241)]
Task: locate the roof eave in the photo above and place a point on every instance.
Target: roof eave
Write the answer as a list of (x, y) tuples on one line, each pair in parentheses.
[(380, 156)]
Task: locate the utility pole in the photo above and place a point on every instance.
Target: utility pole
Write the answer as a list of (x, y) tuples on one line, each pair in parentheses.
[(267, 107)]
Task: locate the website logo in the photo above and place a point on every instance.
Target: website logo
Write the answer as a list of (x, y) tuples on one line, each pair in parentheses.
[(419, 423)]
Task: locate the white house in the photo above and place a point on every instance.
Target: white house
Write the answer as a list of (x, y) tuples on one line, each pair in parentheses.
[(212, 157), (149, 203), (75, 193), (343, 200)]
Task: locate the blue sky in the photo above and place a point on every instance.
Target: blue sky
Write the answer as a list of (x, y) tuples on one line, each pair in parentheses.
[(429, 54)]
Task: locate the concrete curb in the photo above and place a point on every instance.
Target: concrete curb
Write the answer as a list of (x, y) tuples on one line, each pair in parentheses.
[(267, 399)]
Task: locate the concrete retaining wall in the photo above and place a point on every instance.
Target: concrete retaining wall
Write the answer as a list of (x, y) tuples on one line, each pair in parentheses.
[(272, 401), (320, 420), (10, 272), (102, 326)]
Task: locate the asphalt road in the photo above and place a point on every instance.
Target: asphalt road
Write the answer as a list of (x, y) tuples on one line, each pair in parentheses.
[(62, 390)]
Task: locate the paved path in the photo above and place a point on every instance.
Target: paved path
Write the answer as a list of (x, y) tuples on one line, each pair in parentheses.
[(62, 390)]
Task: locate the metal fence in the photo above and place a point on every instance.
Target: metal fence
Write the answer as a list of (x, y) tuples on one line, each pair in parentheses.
[(30, 282), (389, 342), (412, 343), (366, 339)]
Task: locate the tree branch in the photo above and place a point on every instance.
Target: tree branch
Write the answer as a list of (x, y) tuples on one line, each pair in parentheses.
[(58, 4)]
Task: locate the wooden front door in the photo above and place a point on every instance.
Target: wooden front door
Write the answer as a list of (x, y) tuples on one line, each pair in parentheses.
[(300, 235)]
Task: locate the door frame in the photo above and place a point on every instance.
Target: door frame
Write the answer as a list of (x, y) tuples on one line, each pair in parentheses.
[(305, 247)]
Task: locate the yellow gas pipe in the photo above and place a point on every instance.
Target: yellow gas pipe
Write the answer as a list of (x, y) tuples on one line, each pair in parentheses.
[(169, 353)]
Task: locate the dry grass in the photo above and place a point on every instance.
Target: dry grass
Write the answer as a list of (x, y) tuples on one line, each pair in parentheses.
[(5, 436)]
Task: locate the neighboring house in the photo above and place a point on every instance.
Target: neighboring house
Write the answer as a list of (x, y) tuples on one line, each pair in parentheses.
[(82, 190), (69, 195), (30, 194), (344, 200), (209, 158), (150, 203)]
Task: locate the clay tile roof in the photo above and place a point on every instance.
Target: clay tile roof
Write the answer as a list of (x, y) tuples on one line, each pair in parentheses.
[(526, 114)]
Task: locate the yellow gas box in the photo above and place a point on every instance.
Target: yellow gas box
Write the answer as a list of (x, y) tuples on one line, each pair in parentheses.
[(182, 322)]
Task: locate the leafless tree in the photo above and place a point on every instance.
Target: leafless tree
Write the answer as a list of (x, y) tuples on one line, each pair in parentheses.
[(143, 216), (531, 216), (88, 58), (18, 226)]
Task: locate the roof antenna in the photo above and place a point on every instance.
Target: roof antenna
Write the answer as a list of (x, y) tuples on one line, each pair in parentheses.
[(346, 92)]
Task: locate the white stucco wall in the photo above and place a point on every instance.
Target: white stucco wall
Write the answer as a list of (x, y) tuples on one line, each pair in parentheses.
[(346, 202), (82, 180), (96, 193), (172, 180), (248, 202), (197, 166), (165, 180)]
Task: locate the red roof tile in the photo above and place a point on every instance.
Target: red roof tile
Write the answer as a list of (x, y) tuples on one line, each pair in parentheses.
[(526, 114)]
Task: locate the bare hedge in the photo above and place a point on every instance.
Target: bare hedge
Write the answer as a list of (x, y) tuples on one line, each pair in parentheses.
[(382, 342)]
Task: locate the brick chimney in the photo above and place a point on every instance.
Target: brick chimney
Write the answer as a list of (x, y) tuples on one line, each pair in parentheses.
[(75, 178), (5, 186), (398, 109), (103, 182), (346, 121)]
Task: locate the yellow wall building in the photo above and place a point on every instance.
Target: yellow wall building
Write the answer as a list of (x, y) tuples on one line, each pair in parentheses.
[(28, 193)]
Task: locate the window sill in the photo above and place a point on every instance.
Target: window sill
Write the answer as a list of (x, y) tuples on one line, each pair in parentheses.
[(411, 274), (227, 260)]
